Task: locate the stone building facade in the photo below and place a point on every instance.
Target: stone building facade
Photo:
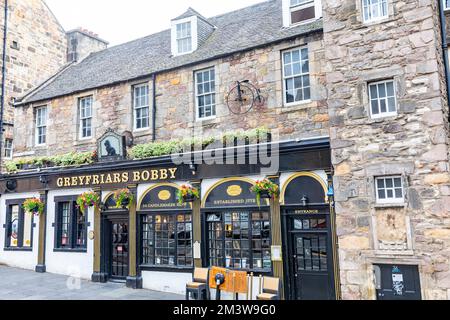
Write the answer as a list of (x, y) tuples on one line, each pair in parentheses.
[(378, 95), (175, 100), (412, 144), (36, 48)]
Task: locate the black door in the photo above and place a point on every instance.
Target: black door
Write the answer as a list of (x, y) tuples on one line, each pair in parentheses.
[(312, 262), (397, 282), (119, 249)]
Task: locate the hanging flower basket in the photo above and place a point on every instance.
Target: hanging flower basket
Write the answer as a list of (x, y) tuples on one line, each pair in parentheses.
[(88, 200), (123, 198), (34, 206), (187, 193), (265, 189)]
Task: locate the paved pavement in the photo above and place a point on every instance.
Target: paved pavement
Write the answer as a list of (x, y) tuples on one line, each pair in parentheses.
[(17, 284)]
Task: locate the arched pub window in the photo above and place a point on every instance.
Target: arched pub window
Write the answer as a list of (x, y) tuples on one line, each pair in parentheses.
[(165, 229), (308, 237), (237, 230)]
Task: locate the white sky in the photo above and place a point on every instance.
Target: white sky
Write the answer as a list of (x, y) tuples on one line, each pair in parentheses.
[(118, 21)]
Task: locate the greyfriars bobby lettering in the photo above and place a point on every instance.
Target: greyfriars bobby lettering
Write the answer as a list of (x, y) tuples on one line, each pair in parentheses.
[(111, 147)]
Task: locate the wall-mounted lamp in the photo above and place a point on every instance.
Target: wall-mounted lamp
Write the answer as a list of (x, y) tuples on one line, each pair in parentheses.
[(11, 185), (103, 206), (193, 168), (43, 179), (330, 192), (304, 200)]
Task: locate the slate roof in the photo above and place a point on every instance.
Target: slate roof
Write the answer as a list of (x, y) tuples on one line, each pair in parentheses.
[(236, 31), (189, 13)]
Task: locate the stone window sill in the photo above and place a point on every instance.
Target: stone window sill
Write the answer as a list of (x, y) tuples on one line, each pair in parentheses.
[(361, 24), (389, 205), (297, 107), (83, 142), (384, 119), (394, 253), (142, 133), (208, 122)]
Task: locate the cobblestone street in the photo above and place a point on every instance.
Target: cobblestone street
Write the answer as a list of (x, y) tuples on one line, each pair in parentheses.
[(17, 284)]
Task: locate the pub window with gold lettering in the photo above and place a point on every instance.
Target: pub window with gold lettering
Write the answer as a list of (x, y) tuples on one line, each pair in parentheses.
[(166, 229), (237, 230)]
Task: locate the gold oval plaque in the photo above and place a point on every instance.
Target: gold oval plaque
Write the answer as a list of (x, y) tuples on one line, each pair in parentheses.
[(234, 191), (164, 195)]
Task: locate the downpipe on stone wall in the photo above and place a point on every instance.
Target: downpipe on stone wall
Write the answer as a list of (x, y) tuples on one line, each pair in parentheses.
[(2, 107), (445, 52), (154, 108)]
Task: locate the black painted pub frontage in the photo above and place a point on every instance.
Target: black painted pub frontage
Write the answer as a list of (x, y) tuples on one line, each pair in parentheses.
[(156, 242)]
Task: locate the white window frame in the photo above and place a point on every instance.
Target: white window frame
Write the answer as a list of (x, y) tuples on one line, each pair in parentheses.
[(9, 148), (81, 118), (287, 9), (41, 122), (185, 37), (384, 114), (444, 5), (284, 78), (194, 35), (136, 108), (370, 20), (197, 95), (390, 200)]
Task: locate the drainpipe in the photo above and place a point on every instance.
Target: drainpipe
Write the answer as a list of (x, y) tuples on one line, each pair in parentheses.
[(2, 108), (445, 51), (154, 108)]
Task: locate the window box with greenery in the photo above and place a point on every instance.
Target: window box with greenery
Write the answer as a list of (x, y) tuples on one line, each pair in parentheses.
[(66, 160), (124, 198), (70, 225), (187, 193), (265, 189), (88, 200)]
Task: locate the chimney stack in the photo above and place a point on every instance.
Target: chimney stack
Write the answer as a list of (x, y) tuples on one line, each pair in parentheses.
[(83, 42)]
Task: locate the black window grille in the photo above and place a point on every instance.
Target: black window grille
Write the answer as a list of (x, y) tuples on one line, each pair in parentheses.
[(239, 240), (167, 240), (71, 226), (19, 227)]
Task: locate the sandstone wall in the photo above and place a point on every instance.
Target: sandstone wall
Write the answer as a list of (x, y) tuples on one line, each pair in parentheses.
[(36, 49), (176, 109), (413, 144)]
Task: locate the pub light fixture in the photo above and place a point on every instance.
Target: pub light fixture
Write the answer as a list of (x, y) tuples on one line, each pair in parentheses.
[(304, 200), (330, 192), (193, 168), (103, 206), (43, 179)]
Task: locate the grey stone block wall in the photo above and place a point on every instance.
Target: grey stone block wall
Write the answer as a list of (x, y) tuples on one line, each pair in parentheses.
[(413, 144)]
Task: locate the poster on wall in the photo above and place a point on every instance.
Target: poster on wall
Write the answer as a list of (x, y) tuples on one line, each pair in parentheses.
[(397, 281)]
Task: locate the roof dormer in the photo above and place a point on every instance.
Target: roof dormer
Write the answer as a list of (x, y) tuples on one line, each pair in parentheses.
[(297, 12), (189, 32)]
